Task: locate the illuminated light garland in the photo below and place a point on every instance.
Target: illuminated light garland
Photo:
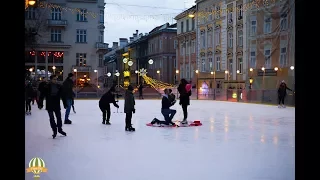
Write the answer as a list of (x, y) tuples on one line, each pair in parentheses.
[(156, 84)]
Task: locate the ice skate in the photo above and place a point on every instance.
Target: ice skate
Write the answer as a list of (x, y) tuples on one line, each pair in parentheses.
[(67, 121), (130, 128), (54, 134), (62, 132), (279, 106), (283, 106), (154, 121), (108, 123), (184, 122), (103, 121)]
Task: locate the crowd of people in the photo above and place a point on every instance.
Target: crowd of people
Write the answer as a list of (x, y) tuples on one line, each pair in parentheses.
[(53, 93)]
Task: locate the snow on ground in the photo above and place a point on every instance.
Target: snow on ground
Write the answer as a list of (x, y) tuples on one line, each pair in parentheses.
[(237, 141)]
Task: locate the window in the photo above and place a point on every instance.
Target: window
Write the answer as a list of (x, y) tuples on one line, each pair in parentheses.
[(187, 71), (174, 63), (101, 16), (101, 34), (160, 44), (253, 59), (267, 25), (193, 46), (203, 39), (100, 60), (56, 13), (193, 23), (267, 55), (210, 64), (187, 25), (30, 13), (210, 39), (240, 38), (181, 72), (253, 29), (283, 57), (239, 9), (210, 14), (55, 35), (81, 36), (181, 27), (187, 48), (192, 71), (218, 12), (81, 59), (82, 15), (230, 16), (230, 40), (203, 65), (230, 66), (217, 34), (175, 43), (283, 22), (240, 65), (181, 50), (218, 64)]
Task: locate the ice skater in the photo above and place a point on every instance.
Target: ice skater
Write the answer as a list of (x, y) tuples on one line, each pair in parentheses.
[(104, 105), (29, 94), (168, 114), (282, 93), (129, 104), (53, 93), (184, 99), (67, 88)]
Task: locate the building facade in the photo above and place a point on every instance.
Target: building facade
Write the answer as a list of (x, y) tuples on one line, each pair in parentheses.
[(161, 50), (71, 36), (185, 45), (221, 60), (271, 44)]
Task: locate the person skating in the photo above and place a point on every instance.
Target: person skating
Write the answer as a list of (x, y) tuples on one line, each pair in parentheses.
[(41, 86), (29, 94), (184, 99), (129, 104), (282, 93), (167, 113), (104, 105), (53, 93), (67, 88), (140, 88)]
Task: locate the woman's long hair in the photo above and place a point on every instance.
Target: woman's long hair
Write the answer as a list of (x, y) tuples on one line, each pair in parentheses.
[(183, 81)]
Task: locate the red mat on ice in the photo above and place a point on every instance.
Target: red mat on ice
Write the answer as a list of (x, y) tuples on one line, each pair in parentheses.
[(194, 123)]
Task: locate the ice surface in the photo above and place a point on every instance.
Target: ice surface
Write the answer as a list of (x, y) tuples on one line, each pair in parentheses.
[(237, 141)]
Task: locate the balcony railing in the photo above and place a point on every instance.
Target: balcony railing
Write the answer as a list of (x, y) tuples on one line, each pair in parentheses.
[(102, 46), (82, 68), (52, 22)]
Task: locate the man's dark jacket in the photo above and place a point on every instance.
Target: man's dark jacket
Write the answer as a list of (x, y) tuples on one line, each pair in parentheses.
[(52, 102), (106, 99), (67, 88)]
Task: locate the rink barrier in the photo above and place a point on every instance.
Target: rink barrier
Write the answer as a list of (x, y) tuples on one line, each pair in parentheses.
[(230, 95)]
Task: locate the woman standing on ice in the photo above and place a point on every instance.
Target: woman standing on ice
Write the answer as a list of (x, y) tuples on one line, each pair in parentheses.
[(184, 99), (282, 93)]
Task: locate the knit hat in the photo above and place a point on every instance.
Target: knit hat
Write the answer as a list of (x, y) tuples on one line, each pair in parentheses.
[(70, 74)]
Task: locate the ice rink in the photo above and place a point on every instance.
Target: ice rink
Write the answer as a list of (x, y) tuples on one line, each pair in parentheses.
[(237, 141)]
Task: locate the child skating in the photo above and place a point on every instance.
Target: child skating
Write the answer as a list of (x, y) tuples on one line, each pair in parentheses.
[(129, 104), (104, 105)]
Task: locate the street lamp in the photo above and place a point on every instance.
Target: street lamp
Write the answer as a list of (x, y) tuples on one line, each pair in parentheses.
[(130, 63), (197, 72), (137, 72), (292, 67), (151, 62), (108, 74), (276, 68), (76, 71), (263, 69), (177, 71), (118, 74), (31, 2), (158, 72), (250, 81), (30, 69), (96, 71), (125, 60), (227, 73), (251, 69), (54, 69)]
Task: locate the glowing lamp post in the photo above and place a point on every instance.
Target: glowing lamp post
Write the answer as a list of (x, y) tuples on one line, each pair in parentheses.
[(197, 73), (137, 72), (158, 72), (54, 69), (96, 71), (263, 69), (151, 62), (76, 71)]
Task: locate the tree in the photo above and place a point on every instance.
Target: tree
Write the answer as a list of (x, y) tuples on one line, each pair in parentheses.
[(35, 23)]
